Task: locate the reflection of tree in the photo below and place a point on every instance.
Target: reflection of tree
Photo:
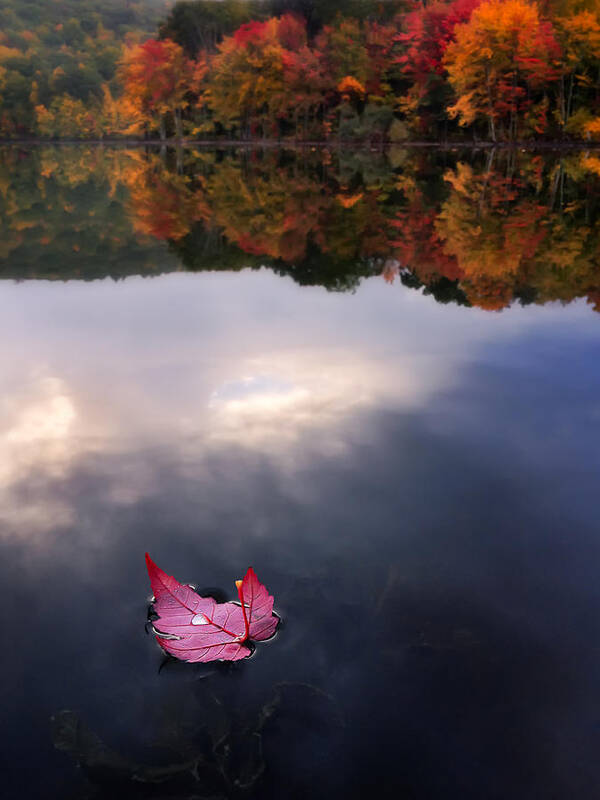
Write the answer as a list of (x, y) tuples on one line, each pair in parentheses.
[(265, 209), (61, 214), (567, 265), (416, 241), (162, 203), (355, 226), (491, 230), (487, 230), (288, 215), (514, 226)]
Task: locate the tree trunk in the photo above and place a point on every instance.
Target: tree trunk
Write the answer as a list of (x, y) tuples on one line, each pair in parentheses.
[(178, 124), (570, 98), (162, 129), (490, 106)]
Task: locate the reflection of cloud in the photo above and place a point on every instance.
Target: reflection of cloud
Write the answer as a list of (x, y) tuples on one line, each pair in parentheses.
[(259, 401), (42, 515), (35, 429), (280, 397), (46, 420), (287, 394), (238, 361), (41, 436)]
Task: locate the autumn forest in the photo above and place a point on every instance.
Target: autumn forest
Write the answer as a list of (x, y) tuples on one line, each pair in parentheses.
[(301, 70)]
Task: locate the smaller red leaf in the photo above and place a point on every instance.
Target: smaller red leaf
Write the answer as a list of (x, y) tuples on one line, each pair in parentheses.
[(259, 607)]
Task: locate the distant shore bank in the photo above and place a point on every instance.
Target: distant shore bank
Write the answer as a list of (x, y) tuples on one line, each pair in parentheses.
[(298, 145)]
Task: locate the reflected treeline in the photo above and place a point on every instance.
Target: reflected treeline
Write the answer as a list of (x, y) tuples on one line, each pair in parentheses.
[(63, 216), (477, 228)]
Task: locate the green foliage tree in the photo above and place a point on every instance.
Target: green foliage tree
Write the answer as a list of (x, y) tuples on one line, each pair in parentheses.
[(49, 50)]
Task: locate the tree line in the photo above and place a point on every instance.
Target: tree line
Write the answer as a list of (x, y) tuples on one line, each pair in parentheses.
[(496, 70)]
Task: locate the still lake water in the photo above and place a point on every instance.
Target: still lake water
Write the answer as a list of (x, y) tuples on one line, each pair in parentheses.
[(412, 472)]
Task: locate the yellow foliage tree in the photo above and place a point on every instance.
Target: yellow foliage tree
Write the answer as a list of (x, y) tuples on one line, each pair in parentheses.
[(579, 36), (350, 87), (247, 76), (592, 129), (67, 118), (120, 115), (501, 56)]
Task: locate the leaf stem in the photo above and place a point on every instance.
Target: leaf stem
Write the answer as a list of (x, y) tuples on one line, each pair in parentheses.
[(241, 596)]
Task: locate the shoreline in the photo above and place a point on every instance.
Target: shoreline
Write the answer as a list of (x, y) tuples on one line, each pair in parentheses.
[(247, 144)]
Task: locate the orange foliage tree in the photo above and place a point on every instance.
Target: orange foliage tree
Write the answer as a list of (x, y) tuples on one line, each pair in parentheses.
[(158, 80), (502, 62)]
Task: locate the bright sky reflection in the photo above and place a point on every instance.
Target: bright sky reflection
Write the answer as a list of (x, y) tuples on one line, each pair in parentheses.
[(250, 360)]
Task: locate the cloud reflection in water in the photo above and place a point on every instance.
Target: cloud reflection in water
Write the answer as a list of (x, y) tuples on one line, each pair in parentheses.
[(195, 363), (36, 443)]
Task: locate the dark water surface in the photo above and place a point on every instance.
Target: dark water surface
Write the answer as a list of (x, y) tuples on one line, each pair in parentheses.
[(414, 476)]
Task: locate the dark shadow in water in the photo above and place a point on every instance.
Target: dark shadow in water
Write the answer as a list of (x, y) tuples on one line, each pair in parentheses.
[(454, 629), (224, 750)]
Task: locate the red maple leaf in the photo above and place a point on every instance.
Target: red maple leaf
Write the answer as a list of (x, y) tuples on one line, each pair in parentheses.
[(198, 629)]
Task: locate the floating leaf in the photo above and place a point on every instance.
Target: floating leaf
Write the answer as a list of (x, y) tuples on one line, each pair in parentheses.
[(198, 629)]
